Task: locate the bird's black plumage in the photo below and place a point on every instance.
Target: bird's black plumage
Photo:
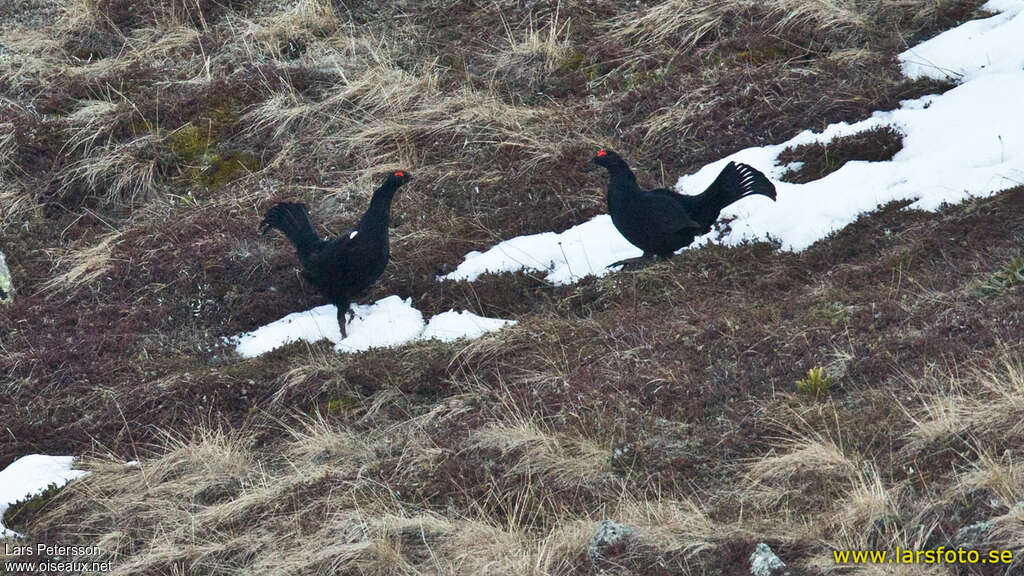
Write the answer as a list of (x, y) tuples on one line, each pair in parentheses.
[(340, 268), (661, 221)]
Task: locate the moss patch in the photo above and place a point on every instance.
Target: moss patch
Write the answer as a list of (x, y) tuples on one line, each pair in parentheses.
[(202, 162), (21, 511), (220, 169)]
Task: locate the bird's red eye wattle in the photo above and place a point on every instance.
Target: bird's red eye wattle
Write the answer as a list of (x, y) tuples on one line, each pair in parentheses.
[(601, 153), (400, 174)]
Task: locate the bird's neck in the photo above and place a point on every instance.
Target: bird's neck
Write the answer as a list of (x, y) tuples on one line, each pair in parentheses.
[(379, 213), (621, 176)]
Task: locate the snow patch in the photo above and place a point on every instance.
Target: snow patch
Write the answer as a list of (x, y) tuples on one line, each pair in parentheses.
[(386, 323), (451, 325), (583, 250), (968, 142), (975, 48), (29, 476)]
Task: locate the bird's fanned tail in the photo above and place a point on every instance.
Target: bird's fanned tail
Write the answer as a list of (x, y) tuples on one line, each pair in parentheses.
[(292, 218), (736, 181)]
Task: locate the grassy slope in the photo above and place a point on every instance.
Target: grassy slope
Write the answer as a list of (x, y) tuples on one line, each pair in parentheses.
[(146, 143)]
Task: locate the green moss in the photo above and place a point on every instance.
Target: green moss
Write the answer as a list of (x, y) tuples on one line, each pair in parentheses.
[(759, 53), (337, 406), (22, 510), (219, 169), (195, 148), (576, 61), (644, 78), (189, 142)]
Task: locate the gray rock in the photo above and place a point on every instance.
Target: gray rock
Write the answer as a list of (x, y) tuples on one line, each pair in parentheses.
[(979, 533), (6, 286), (975, 534), (764, 562), (607, 541)]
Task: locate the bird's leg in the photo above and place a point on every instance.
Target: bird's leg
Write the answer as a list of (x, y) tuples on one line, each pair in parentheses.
[(342, 319), (633, 263)]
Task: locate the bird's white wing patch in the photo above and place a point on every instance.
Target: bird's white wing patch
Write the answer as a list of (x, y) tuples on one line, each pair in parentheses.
[(353, 234)]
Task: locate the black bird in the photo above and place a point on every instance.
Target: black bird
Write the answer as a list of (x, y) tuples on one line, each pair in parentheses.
[(340, 268), (661, 221)]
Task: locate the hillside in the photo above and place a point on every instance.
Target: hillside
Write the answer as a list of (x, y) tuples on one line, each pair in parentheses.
[(863, 392)]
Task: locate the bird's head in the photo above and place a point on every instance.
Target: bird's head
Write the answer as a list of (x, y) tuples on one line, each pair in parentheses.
[(397, 178), (608, 158)]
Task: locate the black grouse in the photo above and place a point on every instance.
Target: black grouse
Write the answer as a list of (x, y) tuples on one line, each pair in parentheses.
[(340, 268), (661, 221)]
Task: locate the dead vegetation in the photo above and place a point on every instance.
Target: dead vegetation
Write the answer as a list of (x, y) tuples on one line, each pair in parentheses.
[(815, 161), (138, 147)]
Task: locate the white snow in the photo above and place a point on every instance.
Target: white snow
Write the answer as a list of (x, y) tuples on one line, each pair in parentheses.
[(388, 322), (451, 325), (582, 250), (30, 475), (966, 142), (975, 48)]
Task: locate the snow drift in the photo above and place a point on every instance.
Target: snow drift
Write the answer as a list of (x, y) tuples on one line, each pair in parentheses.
[(387, 322)]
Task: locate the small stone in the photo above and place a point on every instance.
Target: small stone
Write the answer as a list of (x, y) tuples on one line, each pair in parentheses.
[(974, 535), (608, 541), (764, 562), (978, 534)]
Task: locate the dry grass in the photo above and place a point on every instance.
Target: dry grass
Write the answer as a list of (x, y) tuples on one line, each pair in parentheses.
[(685, 23), (127, 172), (564, 461), (83, 265), (289, 34), (188, 508), (1002, 407), (815, 456), (999, 477), (675, 526), (984, 405), (389, 111), (866, 509), (90, 124), (1009, 532), (940, 419)]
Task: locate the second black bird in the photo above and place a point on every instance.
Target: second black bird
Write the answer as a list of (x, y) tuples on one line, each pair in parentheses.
[(661, 221), (344, 267)]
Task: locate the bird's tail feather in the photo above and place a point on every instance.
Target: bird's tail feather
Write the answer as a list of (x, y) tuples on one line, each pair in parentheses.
[(292, 218), (736, 181)]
